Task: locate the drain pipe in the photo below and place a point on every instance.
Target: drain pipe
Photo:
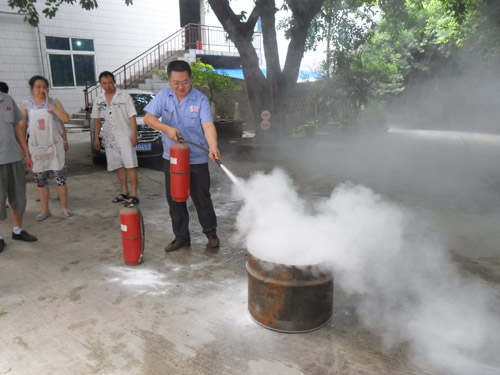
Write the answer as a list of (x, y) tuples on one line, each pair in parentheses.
[(41, 53)]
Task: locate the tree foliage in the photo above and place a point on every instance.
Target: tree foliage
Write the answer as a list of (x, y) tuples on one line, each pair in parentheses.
[(207, 79), (344, 26), (410, 40), (411, 43), (28, 8)]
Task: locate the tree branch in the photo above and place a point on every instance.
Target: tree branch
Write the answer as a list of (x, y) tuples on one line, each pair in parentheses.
[(303, 13)]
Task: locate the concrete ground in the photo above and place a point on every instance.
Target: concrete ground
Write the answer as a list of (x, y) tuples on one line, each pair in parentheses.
[(69, 304)]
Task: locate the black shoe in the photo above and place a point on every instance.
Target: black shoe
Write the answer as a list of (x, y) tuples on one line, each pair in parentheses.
[(24, 236), (2, 244), (213, 241), (176, 245)]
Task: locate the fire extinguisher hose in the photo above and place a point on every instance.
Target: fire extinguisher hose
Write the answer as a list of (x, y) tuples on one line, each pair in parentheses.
[(143, 231), (182, 140)]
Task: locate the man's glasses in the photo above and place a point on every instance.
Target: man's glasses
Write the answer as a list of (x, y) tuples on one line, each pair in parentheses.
[(177, 83)]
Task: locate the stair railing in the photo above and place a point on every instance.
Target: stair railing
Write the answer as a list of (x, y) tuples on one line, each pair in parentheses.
[(209, 39)]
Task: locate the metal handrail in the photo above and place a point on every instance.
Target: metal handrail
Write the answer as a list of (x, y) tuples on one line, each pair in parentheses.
[(191, 36)]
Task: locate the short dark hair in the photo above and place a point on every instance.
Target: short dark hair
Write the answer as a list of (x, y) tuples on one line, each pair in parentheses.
[(178, 66), (4, 87), (106, 74), (37, 78)]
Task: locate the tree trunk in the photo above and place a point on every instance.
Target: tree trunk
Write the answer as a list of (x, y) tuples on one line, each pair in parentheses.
[(271, 93)]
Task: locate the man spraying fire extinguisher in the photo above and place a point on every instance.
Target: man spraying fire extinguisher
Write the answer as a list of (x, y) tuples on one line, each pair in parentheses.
[(185, 112)]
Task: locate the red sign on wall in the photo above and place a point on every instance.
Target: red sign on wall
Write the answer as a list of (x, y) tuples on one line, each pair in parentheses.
[(265, 124), (265, 115)]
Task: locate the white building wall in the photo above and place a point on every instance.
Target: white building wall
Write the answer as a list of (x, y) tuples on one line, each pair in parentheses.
[(120, 33), (19, 54)]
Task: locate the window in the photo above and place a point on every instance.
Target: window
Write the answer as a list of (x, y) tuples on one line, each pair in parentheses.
[(71, 61)]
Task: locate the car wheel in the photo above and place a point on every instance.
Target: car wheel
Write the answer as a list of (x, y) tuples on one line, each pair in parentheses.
[(96, 159)]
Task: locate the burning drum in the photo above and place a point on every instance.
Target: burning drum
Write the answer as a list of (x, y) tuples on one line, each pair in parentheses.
[(289, 298)]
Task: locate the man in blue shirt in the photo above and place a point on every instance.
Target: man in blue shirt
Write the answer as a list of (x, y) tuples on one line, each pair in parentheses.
[(186, 111)]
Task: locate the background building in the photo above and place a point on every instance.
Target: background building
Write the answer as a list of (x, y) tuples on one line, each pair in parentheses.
[(73, 47)]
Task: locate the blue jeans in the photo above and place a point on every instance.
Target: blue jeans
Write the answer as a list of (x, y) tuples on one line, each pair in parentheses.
[(200, 194)]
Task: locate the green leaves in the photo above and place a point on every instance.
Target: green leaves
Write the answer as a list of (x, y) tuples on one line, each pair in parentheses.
[(28, 8)]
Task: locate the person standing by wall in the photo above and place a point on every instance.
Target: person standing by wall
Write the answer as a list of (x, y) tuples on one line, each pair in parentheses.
[(5, 89), (119, 134), (12, 181), (186, 111), (44, 119)]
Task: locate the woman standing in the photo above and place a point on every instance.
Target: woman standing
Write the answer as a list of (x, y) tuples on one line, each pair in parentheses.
[(47, 142)]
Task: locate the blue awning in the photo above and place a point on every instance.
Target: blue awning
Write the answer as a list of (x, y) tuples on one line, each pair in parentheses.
[(304, 75)]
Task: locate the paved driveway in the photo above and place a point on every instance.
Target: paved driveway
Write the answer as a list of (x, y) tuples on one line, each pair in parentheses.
[(70, 306)]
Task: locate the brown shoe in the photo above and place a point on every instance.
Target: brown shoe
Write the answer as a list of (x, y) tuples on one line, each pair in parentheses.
[(213, 241), (176, 245)]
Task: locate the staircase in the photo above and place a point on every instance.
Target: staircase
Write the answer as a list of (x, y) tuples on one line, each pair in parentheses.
[(78, 122), (138, 73)]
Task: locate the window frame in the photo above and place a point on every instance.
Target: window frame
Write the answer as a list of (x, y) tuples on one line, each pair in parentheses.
[(71, 52)]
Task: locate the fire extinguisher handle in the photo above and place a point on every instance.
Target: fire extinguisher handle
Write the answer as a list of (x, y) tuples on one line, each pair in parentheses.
[(181, 140)]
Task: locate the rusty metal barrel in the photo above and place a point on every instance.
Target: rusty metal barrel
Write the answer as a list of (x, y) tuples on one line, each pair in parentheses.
[(289, 298)]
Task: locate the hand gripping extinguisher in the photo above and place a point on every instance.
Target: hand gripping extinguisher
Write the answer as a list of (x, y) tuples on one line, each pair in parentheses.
[(133, 236)]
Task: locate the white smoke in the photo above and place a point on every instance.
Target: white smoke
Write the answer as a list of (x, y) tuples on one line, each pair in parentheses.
[(409, 289)]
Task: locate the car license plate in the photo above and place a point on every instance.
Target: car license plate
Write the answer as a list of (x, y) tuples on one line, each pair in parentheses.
[(144, 147)]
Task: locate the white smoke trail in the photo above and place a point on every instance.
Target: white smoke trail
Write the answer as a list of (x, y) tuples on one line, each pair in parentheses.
[(409, 289)]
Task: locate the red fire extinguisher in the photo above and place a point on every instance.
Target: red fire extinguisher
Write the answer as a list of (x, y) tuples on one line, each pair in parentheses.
[(179, 172), (133, 236), (179, 168)]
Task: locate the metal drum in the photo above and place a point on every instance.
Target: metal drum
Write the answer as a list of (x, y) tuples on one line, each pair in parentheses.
[(288, 298)]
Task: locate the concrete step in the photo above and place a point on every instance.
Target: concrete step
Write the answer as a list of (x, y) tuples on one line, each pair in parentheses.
[(79, 116), (76, 128), (78, 121)]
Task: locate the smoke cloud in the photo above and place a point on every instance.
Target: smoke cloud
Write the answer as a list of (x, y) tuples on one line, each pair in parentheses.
[(408, 289)]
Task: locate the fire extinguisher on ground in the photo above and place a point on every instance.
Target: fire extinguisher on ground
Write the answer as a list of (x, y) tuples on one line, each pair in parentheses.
[(133, 235)]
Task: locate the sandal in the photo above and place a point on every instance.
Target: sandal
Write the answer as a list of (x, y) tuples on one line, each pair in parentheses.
[(42, 217), (120, 198), (133, 200), (67, 213)]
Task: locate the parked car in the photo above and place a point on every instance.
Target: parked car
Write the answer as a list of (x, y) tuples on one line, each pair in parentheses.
[(149, 142)]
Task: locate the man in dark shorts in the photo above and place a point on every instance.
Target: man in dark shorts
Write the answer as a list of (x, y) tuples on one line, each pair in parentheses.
[(12, 182)]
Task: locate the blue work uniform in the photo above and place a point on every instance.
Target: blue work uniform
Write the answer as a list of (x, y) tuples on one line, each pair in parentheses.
[(188, 116)]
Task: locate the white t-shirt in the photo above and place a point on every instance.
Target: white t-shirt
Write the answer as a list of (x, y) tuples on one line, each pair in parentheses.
[(116, 130)]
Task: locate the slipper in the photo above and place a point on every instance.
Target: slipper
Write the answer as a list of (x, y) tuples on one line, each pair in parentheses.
[(120, 198), (67, 213), (42, 217), (133, 200)]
